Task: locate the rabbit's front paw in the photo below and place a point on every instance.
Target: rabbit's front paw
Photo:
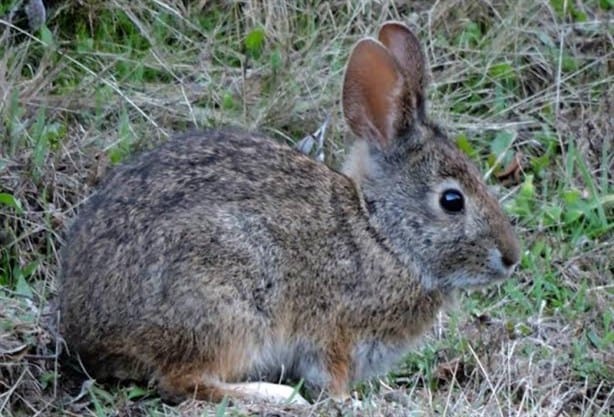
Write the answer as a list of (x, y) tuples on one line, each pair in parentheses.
[(347, 400)]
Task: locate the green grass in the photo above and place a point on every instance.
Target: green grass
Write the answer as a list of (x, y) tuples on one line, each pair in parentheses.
[(511, 80)]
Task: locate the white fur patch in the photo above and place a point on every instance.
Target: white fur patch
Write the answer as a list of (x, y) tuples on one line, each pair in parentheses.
[(293, 359), (275, 393), (358, 163)]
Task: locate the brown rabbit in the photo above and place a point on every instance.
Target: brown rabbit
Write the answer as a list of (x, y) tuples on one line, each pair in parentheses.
[(223, 261)]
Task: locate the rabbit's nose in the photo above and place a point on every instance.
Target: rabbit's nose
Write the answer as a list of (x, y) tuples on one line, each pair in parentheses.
[(510, 252), (503, 262), (509, 260), (509, 246)]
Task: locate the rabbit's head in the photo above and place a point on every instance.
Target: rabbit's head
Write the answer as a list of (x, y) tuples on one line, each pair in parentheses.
[(422, 193)]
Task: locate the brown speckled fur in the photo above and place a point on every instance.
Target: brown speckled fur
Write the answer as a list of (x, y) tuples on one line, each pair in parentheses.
[(223, 256)]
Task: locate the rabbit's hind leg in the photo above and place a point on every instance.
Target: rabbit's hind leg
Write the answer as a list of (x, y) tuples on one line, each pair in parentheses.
[(181, 384)]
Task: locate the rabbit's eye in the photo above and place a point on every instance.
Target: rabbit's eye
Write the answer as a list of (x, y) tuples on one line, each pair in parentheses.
[(452, 201)]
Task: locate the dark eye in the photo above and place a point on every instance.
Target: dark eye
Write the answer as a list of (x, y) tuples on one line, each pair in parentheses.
[(452, 200)]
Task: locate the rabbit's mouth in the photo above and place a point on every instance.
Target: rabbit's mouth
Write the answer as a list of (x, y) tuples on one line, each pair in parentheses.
[(473, 280), (497, 265), (470, 277), (496, 272), (484, 280)]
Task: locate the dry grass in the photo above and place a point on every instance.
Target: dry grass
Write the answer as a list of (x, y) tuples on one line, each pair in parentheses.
[(510, 79)]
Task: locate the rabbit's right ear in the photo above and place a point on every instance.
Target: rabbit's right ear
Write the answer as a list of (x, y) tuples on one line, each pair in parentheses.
[(372, 92)]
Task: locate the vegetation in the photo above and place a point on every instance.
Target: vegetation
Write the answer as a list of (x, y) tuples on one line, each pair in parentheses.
[(526, 88)]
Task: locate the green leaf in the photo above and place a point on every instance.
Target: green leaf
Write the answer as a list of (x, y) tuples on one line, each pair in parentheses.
[(464, 145), (571, 196), (47, 37), (569, 63), (594, 338), (579, 15), (501, 143), (30, 268), (522, 205), (471, 34), (276, 60), (527, 189), (295, 391), (553, 214), (95, 393), (136, 392), (607, 200), (559, 6), (126, 138), (501, 71), (540, 163), (11, 201), (85, 44), (545, 39), (220, 410), (572, 215), (20, 276), (41, 145), (47, 378), (254, 42), (228, 102), (22, 287)]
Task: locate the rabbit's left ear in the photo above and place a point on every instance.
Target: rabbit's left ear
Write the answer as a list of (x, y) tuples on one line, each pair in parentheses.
[(407, 51)]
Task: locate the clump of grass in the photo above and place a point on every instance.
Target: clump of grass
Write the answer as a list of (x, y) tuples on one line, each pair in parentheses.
[(523, 84)]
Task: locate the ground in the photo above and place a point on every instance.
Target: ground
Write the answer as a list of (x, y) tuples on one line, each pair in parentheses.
[(525, 88)]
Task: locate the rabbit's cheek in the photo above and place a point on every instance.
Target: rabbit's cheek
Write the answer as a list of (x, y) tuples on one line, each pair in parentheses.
[(465, 280)]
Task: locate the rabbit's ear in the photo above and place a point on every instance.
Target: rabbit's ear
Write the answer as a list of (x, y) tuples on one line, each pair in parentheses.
[(372, 90), (406, 49)]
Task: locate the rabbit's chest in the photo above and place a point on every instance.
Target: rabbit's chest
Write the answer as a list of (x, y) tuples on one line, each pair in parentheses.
[(282, 360), (373, 357)]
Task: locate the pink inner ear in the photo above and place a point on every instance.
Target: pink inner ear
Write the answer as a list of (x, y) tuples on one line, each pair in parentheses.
[(371, 92)]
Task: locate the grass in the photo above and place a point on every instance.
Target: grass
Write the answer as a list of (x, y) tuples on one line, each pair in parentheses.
[(518, 84)]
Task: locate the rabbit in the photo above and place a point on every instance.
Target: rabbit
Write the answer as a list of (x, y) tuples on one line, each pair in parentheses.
[(223, 262)]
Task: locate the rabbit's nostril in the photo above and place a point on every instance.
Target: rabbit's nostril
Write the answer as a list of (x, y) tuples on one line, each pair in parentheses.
[(509, 261), (509, 248)]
